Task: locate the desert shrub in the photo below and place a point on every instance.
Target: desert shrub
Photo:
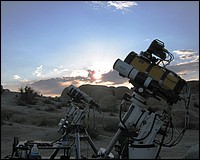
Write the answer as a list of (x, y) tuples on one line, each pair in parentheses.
[(91, 127), (18, 119), (44, 121), (49, 109), (21, 102), (59, 106), (92, 131), (47, 101), (27, 96), (57, 99), (5, 115), (38, 108), (111, 125)]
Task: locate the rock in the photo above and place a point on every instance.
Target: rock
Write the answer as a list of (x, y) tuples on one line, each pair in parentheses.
[(108, 102), (2, 90), (179, 118), (90, 89), (120, 91), (192, 152), (99, 94), (64, 96)]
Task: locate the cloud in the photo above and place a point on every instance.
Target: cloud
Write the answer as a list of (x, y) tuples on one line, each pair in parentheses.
[(19, 79), (121, 5), (118, 5), (196, 59), (81, 73), (38, 71), (187, 70), (16, 77), (55, 86), (147, 39), (186, 54), (184, 51), (113, 77)]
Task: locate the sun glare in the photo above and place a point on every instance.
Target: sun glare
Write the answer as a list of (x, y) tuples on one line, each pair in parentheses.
[(97, 75)]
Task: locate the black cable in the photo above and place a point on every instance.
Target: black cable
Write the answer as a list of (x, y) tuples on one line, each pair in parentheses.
[(159, 149), (58, 139), (120, 118), (148, 132), (123, 146)]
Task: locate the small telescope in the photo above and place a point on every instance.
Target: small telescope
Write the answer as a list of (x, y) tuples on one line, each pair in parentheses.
[(79, 96)]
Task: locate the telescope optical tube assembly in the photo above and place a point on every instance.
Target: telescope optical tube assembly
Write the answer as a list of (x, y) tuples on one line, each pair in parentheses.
[(142, 79)]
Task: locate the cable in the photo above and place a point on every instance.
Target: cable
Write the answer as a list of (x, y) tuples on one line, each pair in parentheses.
[(123, 147), (120, 112), (186, 122), (148, 132), (159, 149)]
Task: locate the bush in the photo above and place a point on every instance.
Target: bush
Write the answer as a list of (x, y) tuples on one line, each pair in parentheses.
[(59, 106), (44, 121), (49, 109), (27, 96), (18, 119), (47, 101), (92, 131), (111, 125), (5, 115)]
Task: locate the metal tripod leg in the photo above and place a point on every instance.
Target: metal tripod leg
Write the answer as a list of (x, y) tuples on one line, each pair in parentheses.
[(112, 143), (94, 148), (54, 153), (77, 143)]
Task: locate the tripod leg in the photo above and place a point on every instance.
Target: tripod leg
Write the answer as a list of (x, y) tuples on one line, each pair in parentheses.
[(54, 153), (112, 143), (92, 144), (77, 141), (15, 143)]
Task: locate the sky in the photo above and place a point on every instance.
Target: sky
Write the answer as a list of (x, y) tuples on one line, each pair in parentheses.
[(49, 45)]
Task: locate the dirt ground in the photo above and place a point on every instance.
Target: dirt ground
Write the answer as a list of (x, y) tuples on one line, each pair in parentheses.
[(26, 123), (29, 132)]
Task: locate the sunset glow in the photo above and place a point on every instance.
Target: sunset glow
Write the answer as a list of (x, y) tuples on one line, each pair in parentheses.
[(97, 75)]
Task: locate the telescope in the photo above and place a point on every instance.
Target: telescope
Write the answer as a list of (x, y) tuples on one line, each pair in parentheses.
[(144, 71), (79, 96)]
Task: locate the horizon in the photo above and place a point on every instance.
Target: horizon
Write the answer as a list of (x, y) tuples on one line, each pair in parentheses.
[(58, 95), (49, 45)]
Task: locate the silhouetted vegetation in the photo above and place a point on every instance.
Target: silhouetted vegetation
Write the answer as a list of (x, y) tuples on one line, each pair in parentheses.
[(27, 96)]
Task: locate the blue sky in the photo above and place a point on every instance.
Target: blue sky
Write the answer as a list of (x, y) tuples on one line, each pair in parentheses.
[(51, 44)]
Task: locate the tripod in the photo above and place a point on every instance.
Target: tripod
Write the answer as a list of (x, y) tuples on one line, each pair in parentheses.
[(73, 129)]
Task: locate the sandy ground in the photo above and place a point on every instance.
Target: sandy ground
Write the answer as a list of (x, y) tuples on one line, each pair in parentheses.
[(27, 131)]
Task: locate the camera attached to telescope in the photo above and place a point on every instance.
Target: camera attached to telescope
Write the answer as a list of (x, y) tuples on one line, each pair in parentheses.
[(145, 71)]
